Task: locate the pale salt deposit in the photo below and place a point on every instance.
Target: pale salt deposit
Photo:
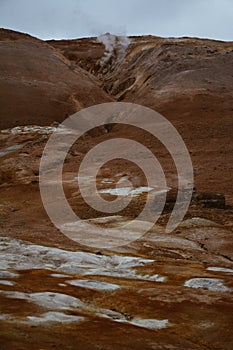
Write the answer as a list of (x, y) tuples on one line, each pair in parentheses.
[(57, 317), (52, 316), (96, 285), (8, 274), (212, 284), (219, 269), (28, 129), (7, 283), (20, 255), (126, 191), (59, 275), (48, 300), (149, 323)]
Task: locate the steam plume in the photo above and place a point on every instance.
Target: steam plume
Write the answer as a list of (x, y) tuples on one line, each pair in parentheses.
[(115, 46)]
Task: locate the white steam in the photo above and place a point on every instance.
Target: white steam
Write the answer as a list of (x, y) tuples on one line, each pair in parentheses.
[(115, 46)]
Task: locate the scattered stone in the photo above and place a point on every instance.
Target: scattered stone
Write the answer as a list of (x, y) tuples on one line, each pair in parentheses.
[(199, 199), (209, 200)]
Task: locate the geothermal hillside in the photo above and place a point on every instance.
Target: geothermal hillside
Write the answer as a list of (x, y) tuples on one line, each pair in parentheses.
[(163, 291), (44, 85)]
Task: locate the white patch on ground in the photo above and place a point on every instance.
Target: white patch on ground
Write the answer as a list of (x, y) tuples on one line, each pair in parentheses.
[(55, 300), (126, 191), (139, 322), (107, 181), (62, 285), (36, 128), (8, 274), (212, 284), (113, 315), (219, 269), (20, 255), (52, 316), (48, 300), (149, 323), (123, 179), (7, 283), (155, 278), (58, 317), (59, 275), (58, 301), (4, 317), (96, 285), (14, 295)]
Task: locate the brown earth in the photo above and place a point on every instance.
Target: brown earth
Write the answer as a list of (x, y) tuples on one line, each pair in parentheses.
[(38, 85), (189, 81)]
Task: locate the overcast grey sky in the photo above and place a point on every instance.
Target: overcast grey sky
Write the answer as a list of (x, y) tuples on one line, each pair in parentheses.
[(77, 18)]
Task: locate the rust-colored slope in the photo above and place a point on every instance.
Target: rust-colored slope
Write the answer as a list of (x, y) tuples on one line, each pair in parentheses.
[(181, 296), (162, 68), (38, 85), (188, 80)]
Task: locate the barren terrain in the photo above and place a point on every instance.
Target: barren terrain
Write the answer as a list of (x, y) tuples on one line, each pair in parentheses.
[(162, 291)]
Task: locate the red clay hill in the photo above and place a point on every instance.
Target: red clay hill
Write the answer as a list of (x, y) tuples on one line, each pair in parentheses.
[(38, 85)]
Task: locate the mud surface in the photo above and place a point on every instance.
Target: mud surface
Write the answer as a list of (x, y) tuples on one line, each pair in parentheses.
[(162, 291)]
